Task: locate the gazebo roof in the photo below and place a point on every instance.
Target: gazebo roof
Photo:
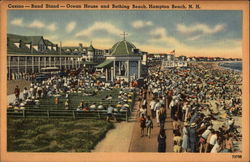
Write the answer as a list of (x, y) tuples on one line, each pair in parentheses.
[(123, 48)]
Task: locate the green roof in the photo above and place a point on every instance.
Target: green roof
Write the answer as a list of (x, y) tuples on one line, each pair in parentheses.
[(89, 63), (27, 39), (123, 48), (23, 49), (47, 42), (104, 64)]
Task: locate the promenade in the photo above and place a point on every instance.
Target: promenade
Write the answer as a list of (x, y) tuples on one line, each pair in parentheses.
[(129, 136)]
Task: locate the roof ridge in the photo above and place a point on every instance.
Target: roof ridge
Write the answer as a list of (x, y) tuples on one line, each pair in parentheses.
[(116, 47), (126, 46)]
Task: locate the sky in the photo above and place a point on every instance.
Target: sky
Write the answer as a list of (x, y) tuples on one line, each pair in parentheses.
[(190, 33)]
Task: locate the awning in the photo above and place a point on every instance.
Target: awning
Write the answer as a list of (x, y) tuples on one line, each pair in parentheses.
[(104, 64), (89, 63)]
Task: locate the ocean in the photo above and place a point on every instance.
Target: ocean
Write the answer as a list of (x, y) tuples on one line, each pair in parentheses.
[(233, 65)]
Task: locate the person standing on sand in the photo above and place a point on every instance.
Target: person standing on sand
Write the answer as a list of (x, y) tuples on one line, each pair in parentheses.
[(152, 105), (162, 116), (149, 126), (110, 113), (212, 140), (162, 141), (228, 144), (157, 109), (204, 137), (17, 92), (25, 93), (142, 124), (192, 138), (185, 137)]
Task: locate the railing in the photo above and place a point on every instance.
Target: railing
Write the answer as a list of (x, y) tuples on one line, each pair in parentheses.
[(74, 114)]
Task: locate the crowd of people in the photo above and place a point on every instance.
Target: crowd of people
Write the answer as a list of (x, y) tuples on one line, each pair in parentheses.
[(84, 84), (204, 100), (21, 76)]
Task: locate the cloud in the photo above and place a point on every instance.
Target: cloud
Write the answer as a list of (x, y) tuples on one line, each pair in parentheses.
[(159, 35), (71, 26), (203, 28), (99, 43), (36, 24), (51, 27), (17, 22), (140, 24), (213, 51), (99, 26), (161, 41), (54, 38), (195, 37), (72, 42)]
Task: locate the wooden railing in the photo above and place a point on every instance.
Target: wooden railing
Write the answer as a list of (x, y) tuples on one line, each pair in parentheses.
[(73, 114)]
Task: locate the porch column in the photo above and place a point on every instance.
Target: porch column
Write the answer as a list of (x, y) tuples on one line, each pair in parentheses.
[(60, 59), (32, 58), (112, 73), (69, 63), (25, 64), (18, 64), (65, 63), (50, 61), (114, 69), (106, 74), (139, 69), (128, 71), (39, 64), (120, 68), (9, 57)]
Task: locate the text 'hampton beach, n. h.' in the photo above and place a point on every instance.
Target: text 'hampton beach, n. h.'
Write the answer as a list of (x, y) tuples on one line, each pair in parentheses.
[(106, 6)]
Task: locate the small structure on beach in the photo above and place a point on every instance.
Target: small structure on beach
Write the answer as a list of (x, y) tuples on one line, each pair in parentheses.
[(172, 61), (124, 62)]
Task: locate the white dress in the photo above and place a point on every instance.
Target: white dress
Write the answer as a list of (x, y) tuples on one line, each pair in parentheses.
[(184, 138), (215, 148)]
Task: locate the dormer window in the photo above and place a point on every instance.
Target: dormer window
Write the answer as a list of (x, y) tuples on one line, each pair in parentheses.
[(35, 47), (17, 45), (28, 45)]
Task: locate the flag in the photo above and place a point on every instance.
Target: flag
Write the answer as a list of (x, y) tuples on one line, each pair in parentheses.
[(172, 52)]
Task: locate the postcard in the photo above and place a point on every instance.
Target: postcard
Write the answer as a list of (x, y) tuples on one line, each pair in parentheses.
[(124, 80)]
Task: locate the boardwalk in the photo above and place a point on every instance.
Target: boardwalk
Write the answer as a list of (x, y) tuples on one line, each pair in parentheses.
[(146, 144)]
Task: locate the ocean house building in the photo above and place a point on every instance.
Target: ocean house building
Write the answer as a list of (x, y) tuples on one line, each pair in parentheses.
[(28, 54)]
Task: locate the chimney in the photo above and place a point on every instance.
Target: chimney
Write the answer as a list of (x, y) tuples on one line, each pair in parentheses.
[(31, 47), (60, 48), (8, 42), (20, 43), (56, 47)]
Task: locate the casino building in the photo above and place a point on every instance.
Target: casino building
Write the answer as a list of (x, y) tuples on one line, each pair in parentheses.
[(123, 62)]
